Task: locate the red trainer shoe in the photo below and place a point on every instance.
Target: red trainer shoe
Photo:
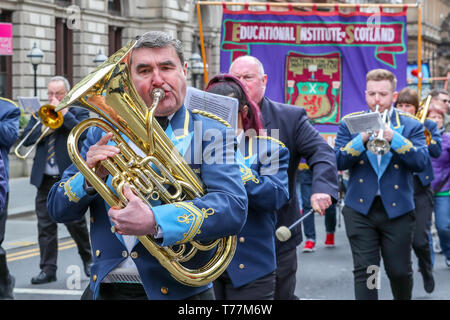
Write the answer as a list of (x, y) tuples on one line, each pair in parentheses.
[(309, 246), (329, 241)]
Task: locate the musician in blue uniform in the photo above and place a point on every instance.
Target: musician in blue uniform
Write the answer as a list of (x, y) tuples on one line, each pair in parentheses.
[(408, 101), (123, 268), (379, 204), (263, 161), (9, 131)]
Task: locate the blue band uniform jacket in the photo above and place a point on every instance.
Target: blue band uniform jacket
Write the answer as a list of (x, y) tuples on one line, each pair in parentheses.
[(264, 163), (394, 177), (220, 212), (9, 130), (434, 149)]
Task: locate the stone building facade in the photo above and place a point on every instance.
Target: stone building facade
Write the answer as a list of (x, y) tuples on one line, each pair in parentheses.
[(71, 33)]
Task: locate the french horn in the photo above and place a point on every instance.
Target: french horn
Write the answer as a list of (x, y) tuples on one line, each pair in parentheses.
[(109, 92)]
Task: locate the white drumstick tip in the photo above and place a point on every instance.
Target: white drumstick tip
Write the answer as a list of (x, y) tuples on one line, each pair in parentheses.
[(283, 233)]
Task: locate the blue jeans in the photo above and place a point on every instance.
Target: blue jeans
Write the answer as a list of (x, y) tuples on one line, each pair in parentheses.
[(442, 221), (304, 183)]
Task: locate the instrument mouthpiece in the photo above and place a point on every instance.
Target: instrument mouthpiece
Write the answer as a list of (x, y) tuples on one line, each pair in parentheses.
[(158, 93)]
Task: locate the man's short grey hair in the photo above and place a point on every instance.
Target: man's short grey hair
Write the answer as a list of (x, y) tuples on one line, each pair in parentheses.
[(159, 39), (251, 59), (63, 79), (435, 92)]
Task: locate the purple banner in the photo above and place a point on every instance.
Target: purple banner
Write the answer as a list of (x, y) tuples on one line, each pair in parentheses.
[(318, 60)]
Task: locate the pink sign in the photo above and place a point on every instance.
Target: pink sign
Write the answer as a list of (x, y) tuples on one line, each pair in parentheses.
[(6, 43)]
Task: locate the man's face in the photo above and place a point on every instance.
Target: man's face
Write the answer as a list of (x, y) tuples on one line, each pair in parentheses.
[(380, 93), (159, 68), (442, 101), (55, 92), (248, 72)]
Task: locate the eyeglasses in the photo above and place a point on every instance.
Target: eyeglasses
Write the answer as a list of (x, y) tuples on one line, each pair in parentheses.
[(56, 94)]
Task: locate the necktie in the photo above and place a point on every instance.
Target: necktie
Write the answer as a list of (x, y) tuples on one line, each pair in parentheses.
[(51, 150), (163, 122)]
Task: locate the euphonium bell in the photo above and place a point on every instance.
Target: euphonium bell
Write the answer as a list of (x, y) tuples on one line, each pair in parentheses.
[(50, 119), (378, 144), (109, 92)]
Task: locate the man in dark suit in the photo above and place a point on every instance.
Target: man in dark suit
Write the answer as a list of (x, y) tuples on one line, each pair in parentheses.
[(9, 131), (50, 161), (379, 202), (290, 125)]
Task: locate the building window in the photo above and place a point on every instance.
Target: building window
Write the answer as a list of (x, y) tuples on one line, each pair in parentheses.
[(63, 3), (64, 50), (114, 39), (6, 64), (114, 7)]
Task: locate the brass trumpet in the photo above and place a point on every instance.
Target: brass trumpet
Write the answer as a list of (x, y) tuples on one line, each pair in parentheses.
[(109, 92), (48, 117)]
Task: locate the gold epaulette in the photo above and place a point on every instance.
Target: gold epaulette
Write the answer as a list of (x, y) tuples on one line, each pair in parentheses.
[(273, 139), (402, 113), (353, 114), (212, 116), (10, 101)]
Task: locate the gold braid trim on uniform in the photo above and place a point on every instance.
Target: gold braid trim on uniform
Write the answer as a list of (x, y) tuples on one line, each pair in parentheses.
[(248, 175), (403, 113), (194, 218), (350, 150), (68, 189), (273, 139), (406, 147), (212, 116)]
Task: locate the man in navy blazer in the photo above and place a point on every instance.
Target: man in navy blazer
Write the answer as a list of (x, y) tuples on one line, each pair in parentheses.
[(379, 206), (50, 161), (290, 125), (9, 131)]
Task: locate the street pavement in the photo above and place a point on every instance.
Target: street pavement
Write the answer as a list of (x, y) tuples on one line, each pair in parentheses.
[(325, 274)]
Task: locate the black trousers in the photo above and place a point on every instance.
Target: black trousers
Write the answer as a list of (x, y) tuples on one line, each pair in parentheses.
[(48, 229), (4, 271), (259, 289), (424, 203), (374, 234), (286, 275)]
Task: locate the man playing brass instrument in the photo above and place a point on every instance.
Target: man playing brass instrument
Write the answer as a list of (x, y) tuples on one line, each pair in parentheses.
[(379, 204), (123, 268)]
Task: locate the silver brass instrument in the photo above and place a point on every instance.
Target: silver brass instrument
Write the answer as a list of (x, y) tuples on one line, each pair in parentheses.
[(109, 92), (378, 144), (50, 119)]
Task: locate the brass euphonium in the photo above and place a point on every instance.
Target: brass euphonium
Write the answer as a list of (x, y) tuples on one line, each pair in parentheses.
[(109, 92), (422, 115)]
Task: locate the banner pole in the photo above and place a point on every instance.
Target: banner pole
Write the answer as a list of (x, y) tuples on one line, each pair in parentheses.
[(419, 47), (286, 4), (202, 44)]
